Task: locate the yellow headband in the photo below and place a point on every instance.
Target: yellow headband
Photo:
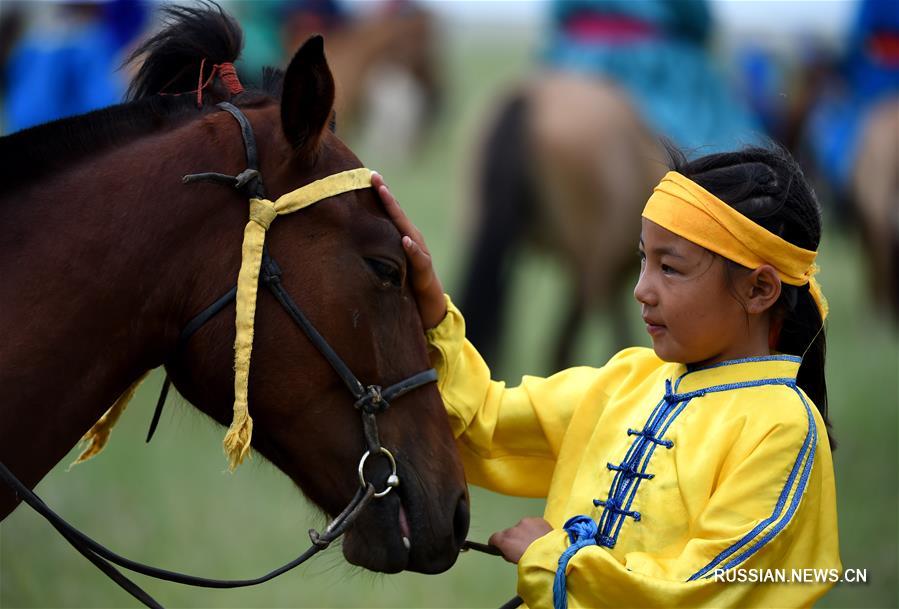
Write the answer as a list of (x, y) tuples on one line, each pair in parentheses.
[(262, 213), (687, 209)]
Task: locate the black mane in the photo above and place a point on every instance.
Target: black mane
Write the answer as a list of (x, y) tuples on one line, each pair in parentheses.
[(171, 66), (40, 151), (190, 37)]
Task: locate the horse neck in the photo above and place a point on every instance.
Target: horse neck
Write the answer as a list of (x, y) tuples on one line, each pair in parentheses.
[(97, 266)]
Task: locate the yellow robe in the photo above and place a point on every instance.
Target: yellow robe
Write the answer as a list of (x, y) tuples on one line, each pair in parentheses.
[(732, 471)]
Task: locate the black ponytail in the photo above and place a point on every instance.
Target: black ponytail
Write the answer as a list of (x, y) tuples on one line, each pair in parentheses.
[(767, 186)]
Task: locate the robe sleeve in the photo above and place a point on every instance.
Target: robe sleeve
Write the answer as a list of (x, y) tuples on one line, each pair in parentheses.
[(509, 438), (771, 513)]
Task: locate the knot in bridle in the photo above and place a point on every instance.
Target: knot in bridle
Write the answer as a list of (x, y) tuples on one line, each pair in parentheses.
[(372, 401)]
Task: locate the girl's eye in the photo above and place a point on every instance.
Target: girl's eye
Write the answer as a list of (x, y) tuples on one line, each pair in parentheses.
[(668, 270), (387, 273)]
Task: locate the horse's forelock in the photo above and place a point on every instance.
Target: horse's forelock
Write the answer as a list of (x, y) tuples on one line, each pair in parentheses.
[(190, 36)]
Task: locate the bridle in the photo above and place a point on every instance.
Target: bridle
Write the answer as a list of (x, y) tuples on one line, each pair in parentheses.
[(368, 400)]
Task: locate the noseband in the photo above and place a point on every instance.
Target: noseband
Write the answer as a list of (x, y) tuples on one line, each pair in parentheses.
[(368, 400)]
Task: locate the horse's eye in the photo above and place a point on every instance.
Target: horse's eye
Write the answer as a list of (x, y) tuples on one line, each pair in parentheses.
[(388, 274)]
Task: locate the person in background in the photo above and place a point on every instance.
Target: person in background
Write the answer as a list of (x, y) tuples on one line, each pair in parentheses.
[(658, 52), (67, 61)]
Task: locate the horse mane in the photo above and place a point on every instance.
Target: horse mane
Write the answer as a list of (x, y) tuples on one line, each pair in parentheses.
[(191, 37), (160, 96)]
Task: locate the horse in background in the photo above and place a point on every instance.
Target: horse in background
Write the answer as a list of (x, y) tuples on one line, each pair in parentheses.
[(385, 59), (545, 183), (107, 255), (572, 154), (875, 197)]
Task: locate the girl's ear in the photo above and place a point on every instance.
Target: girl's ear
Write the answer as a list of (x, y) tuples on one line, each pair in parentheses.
[(761, 289)]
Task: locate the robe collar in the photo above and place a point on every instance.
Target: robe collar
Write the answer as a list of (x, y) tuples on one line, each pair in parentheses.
[(738, 372)]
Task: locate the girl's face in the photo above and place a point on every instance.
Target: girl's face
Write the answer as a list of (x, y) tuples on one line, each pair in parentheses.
[(690, 313)]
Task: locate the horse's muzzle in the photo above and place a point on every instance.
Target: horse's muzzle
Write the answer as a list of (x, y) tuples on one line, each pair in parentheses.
[(429, 541)]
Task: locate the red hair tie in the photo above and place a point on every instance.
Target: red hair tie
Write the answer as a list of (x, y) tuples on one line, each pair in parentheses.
[(228, 75)]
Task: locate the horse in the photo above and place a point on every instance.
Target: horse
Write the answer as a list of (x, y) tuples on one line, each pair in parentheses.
[(875, 198), (566, 166), (389, 46), (385, 63), (107, 255)]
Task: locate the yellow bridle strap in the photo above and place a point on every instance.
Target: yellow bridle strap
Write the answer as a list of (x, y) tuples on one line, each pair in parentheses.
[(262, 214), (690, 211)]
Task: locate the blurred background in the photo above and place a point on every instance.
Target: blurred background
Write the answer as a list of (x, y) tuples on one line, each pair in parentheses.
[(523, 139)]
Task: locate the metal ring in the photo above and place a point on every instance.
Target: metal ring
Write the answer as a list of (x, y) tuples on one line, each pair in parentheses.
[(392, 480)]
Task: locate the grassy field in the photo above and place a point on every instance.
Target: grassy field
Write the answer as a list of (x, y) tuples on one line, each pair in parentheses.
[(170, 504)]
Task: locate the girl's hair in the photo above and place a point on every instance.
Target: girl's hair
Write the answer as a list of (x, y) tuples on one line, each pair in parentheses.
[(767, 186)]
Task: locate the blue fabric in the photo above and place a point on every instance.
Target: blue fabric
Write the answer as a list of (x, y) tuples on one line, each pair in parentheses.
[(671, 79), (869, 77), (264, 23), (53, 76), (832, 132), (581, 533), (835, 122), (125, 20)]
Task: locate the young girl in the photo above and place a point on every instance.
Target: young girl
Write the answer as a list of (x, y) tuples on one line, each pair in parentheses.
[(695, 473)]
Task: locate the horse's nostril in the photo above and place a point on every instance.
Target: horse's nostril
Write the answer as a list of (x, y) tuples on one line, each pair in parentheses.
[(460, 521)]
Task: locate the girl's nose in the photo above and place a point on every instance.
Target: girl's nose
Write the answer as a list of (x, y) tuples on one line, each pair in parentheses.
[(643, 291)]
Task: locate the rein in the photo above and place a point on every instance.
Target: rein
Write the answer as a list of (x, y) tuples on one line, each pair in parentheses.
[(105, 559)]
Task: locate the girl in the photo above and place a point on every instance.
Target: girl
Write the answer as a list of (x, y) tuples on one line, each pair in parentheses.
[(674, 474)]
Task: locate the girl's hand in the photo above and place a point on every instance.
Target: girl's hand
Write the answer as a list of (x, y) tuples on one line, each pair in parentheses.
[(514, 541), (426, 285)]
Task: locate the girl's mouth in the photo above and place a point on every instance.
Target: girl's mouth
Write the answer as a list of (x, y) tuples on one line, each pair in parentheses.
[(654, 329)]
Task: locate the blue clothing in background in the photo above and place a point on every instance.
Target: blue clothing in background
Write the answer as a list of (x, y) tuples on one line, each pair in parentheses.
[(867, 75), (69, 67), (661, 60), (264, 22)]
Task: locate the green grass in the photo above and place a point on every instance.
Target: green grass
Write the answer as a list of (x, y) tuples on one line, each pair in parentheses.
[(171, 504)]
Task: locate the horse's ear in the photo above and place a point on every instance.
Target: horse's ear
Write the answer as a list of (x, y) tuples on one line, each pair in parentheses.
[(308, 96)]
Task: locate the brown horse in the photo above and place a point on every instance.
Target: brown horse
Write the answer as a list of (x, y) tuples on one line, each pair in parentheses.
[(567, 165), (875, 195), (106, 256), (386, 70)]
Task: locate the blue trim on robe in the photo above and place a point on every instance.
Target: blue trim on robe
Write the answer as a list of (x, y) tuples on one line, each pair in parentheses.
[(621, 494), (633, 493), (808, 450)]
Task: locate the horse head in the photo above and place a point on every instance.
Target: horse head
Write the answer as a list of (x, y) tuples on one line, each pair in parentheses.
[(341, 260)]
